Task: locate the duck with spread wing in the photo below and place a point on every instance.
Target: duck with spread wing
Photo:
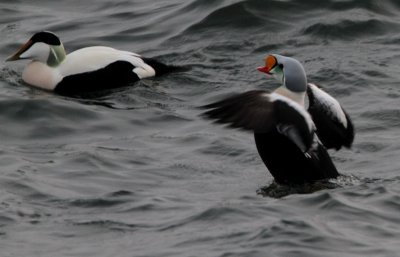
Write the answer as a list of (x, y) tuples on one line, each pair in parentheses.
[(291, 140)]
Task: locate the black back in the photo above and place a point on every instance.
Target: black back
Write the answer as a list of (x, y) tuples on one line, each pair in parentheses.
[(293, 155)]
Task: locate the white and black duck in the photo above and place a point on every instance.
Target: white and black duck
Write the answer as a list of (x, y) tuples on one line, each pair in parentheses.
[(291, 141), (84, 70)]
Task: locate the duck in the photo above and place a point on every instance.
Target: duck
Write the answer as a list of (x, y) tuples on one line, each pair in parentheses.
[(292, 140), (84, 70)]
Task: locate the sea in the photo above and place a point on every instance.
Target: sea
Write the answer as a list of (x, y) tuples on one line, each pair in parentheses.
[(138, 172)]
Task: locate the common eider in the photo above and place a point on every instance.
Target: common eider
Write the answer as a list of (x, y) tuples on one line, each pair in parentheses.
[(85, 70)]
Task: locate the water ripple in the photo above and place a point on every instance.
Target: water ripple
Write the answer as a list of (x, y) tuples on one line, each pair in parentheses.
[(137, 172)]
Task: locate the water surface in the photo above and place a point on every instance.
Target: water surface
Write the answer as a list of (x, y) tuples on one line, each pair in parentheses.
[(136, 171)]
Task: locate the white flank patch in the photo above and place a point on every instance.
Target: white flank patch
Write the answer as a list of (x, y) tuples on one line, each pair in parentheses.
[(329, 103), (300, 109), (144, 71)]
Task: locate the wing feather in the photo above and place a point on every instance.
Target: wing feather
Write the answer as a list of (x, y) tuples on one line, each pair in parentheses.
[(250, 111), (334, 126), (261, 112)]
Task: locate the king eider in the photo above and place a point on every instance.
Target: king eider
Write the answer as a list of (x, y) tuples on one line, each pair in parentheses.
[(291, 141), (84, 70)]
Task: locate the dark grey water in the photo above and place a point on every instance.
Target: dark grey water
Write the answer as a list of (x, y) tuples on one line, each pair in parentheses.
[(136, 172)]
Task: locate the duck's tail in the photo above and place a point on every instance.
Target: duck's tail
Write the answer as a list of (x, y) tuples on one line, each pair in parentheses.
[(162, 68)]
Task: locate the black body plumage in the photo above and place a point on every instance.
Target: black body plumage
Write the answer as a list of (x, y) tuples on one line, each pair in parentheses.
[(290, 149), (114, 75), (100, 79)]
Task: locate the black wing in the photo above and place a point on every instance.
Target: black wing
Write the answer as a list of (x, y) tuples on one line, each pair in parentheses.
[(261, 112), (334, 126), (250, 111)]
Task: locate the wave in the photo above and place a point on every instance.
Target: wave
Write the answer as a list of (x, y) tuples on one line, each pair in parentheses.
[(350, 29)]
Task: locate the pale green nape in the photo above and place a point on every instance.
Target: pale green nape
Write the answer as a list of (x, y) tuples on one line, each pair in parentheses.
[(56, 56)]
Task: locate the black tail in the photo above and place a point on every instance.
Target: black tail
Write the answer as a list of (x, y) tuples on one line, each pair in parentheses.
[(162, 68)]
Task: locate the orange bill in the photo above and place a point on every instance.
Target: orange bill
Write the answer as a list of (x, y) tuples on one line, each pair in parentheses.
[(270, 63)]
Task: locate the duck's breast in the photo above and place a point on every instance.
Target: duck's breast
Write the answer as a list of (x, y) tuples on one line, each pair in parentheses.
[(41, 75)]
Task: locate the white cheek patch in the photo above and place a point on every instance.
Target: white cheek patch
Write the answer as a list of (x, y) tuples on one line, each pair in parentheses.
[(38, 52)]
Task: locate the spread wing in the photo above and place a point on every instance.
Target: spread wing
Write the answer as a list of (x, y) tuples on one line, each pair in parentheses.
[(334, 126), (261, 112)]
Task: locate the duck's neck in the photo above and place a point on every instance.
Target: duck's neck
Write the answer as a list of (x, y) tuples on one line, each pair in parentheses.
[(298, 97), (57, 56)]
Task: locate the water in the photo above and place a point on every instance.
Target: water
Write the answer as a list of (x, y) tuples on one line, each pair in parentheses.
[(136, 171)]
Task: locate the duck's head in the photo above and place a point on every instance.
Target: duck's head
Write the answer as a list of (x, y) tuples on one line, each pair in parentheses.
[(287, 71), (44, 47)]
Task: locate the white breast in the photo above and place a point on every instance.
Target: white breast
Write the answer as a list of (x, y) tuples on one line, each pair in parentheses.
[(40, 75), (297, 97)]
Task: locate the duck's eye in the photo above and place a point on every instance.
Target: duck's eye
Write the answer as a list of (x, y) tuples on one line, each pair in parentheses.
[(281, 66)]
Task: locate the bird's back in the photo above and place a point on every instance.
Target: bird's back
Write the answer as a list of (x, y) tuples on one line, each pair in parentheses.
[(94, 58)]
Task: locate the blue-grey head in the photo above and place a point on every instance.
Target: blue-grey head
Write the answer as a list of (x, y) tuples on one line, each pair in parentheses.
[(286, 70)]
